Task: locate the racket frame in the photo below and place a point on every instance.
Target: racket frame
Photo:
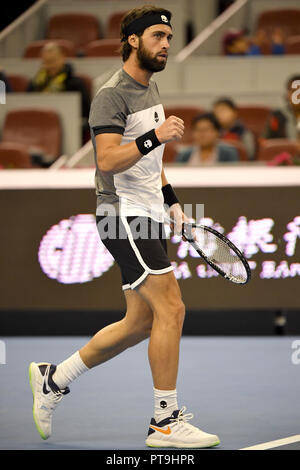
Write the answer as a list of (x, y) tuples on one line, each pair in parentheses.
[(210, 263)]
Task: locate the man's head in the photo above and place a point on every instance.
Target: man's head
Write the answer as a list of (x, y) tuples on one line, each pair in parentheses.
[(292, 94), (53, 58), (226, 112), (206, 130), (146, 32)]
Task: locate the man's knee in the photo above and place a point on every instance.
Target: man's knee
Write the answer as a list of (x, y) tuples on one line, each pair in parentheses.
[(177, 312), (171, 315), (141, 327)]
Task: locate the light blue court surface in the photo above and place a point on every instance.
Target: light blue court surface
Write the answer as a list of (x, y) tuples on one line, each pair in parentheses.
[(246, 390)]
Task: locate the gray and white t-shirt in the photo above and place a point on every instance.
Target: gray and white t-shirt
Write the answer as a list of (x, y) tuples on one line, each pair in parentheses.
[(125, 106)]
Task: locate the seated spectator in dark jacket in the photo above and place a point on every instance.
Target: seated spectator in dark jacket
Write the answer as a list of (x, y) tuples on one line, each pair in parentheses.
[(207, 148), (57, 75), (286, 123), (231, 127)]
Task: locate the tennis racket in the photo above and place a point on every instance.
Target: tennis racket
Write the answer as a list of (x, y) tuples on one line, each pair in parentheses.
[(218, 252)]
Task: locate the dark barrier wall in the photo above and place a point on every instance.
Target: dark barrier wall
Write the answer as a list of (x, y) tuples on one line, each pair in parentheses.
[(52, 258)]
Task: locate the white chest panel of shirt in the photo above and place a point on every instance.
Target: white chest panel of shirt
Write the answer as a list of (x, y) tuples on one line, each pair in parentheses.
[(140, 185)]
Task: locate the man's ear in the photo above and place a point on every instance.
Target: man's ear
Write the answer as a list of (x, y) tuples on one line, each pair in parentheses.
[(133, 40)]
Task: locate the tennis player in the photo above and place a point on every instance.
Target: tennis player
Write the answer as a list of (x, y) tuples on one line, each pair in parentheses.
[(129, 130)]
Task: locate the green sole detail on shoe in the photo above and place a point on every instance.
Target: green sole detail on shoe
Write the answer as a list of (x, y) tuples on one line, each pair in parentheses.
[(35, 421)]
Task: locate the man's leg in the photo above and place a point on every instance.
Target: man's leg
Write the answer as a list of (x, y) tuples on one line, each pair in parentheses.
[(49, 383), (115, 338), (109, 341), (163, 295), (169, 427)]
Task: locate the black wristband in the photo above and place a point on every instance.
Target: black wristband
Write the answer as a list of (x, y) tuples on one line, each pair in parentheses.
[(147, 142), (170, 197)]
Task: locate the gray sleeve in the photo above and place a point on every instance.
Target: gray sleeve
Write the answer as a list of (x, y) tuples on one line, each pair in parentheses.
[(108, 113)]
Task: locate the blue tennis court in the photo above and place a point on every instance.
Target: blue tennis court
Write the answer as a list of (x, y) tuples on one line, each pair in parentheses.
[(245, 389)]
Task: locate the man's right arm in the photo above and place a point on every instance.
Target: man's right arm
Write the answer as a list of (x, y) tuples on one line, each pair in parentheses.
[(115, 158)]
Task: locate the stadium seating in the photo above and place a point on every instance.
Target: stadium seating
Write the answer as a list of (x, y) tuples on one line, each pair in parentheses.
[(286, 19), (80, 28), (14, 156), (270, 148), (186, 113), (170, 152), (114, 23), (254, 117), (293, 45), (33, 51), (19, 83), (103, 48), (37, 129)]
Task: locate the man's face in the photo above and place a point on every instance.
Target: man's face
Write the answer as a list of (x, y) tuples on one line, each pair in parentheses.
[(52, 61), (205, 134), (154, 44)]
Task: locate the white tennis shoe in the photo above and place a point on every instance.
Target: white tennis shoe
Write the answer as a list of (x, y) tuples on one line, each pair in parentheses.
[(46, 396), (175, 431)]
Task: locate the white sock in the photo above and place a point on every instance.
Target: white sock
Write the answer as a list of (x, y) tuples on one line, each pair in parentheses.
[(165, 402), (69, 370)]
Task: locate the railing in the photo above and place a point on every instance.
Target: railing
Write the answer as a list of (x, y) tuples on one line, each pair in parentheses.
[(23, 30), (213, 31)]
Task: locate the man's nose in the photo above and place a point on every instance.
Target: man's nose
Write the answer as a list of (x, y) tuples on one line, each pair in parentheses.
[(165, 44)]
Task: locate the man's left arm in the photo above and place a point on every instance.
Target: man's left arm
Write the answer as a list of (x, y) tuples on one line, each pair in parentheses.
[(170, 199)]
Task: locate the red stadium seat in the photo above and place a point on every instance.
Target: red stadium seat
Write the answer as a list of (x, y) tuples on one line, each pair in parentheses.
[(33, 51), (114, 25), (103, 48), (170, 152), (254, 117), (288, 19), (293, 45), (19, 83), (80, 28), (269, 148), (14, 155), (186, 113), (38, 129)]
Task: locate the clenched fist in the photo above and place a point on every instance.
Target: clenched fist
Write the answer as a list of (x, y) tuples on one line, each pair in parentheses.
[(171, 129)]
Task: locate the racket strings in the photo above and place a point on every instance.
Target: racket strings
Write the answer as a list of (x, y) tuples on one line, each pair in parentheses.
[(218, 253)]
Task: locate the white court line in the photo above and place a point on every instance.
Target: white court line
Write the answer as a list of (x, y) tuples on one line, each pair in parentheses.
[(271, 444)]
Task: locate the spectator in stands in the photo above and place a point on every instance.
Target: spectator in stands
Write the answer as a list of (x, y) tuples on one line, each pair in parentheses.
[(232, 128), (236, 43), (286, 124), (57, 75), (4, 79), (207, 147)]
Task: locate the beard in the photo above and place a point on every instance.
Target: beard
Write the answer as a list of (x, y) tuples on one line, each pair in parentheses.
[(148, 62)]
